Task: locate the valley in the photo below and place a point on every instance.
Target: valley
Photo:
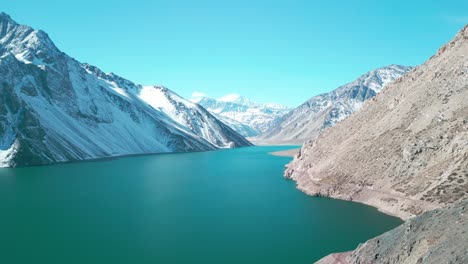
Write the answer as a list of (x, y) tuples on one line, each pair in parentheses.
[(96, 168)]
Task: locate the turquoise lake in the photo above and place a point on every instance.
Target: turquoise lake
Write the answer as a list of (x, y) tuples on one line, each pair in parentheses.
[(226, 206)]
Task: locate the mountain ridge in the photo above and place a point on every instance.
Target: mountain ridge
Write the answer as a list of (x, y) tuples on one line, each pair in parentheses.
[(326, 109)]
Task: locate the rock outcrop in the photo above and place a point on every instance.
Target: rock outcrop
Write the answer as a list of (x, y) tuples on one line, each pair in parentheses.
[(438, 236)]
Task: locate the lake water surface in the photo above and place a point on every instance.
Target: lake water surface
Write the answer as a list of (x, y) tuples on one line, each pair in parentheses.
[(227, 206)]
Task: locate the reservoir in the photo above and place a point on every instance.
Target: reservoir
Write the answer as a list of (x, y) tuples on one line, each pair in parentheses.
[(226, 206)]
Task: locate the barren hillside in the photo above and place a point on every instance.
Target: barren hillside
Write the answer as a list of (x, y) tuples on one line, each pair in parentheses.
[(406, 151)]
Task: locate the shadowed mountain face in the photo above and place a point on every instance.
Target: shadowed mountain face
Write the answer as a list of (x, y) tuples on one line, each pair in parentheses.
[(54, 108), (325, 110), (406, 151)]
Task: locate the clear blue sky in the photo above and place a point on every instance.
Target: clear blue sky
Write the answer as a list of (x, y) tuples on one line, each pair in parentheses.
[(279, 51)]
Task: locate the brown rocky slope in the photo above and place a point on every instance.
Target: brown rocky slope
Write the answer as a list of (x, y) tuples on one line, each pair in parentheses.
[(406, 151), (437, 236)]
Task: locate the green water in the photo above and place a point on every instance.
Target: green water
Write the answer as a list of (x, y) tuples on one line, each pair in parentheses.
[(228, 206)]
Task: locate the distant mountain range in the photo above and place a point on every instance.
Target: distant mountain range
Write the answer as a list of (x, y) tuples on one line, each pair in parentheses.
[(248, 118), (325, 110), (54, 108), (277, 124)]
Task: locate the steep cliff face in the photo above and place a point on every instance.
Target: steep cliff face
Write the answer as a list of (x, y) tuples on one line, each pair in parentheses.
[(312, 117), (54, 108), (406, 151)]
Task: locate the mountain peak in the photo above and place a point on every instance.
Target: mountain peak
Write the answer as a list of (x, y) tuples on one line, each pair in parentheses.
[(461, 37), (462, 34), (6, 23), (236, 99), (392, 67), (5, 17), (230, 98), (378, 78), (197, 97), (28, 45)]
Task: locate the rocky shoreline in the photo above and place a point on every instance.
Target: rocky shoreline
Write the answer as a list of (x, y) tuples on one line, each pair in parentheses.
[(286, 153), (388, 203)]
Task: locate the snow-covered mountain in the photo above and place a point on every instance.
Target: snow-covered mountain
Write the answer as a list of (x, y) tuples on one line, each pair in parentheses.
[(243, 115), (54, 108), (325, 110), (192, 116)]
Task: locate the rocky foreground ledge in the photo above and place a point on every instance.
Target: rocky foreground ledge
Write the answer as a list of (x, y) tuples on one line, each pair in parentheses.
[(437, 236)]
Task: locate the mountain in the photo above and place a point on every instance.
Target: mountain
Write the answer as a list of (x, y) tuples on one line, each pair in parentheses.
[(406, 151), (54, 108), (244, 116), (325, 110)]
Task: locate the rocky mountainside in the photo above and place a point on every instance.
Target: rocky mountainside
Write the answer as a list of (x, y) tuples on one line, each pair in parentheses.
[(438, 236), (244, 116), (54, 108), (312, 117), (405, 151)]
